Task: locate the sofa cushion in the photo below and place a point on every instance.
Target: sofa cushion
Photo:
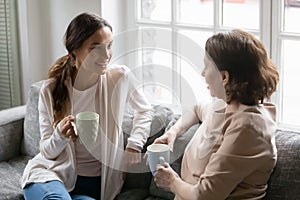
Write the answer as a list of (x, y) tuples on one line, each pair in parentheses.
[(181, 141), (11, 132), (30, 143), (285, 180), (161, 118), (10, 173)]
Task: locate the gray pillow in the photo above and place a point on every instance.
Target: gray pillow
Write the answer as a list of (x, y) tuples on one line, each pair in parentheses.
[(161, 118), (30, 143)]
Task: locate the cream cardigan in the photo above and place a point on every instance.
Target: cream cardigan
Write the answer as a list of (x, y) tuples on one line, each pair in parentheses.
[(56, 160)]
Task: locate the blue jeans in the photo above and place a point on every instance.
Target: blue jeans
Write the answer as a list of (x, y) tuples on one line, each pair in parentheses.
[(86, 188)]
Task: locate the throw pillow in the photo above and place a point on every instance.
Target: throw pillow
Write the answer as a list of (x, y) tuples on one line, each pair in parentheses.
[(30, 143)]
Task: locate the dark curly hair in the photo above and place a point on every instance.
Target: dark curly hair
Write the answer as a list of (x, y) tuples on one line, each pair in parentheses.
[(252, 75)]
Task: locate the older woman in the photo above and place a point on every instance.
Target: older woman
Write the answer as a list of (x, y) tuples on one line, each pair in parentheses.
[(233, 153)]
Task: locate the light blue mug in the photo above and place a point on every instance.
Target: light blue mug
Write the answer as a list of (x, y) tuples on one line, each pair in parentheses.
[(157, 154)]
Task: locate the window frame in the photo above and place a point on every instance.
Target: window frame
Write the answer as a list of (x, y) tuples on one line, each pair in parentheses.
[(269, 32), (278, 36)]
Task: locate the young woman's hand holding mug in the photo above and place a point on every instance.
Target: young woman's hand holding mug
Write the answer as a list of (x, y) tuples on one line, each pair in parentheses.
[(66, 128)]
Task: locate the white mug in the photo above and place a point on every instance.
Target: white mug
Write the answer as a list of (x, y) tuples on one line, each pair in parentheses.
[(86, 127), (157, 154)]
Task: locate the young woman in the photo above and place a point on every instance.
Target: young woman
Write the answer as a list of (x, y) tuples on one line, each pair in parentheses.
[(232, 154), (65, 168)]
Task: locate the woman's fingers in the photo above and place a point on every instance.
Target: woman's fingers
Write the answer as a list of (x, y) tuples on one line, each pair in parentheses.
[(165, 140), (165, 176), (66, 127), (162, 176), (161, 140), (171, 145), (64, 123), (68, 133)]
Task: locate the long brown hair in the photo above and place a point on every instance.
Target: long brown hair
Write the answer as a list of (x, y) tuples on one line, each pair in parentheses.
[(79, 30), (252, 75)]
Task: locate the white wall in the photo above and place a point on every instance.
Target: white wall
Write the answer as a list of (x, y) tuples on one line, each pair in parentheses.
[(114, 11), (121, 14), (42, 25)]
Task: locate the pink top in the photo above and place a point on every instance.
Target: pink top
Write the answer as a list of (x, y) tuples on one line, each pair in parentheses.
[(86, 163)]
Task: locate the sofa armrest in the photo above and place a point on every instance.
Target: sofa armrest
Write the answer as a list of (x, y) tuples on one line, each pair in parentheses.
[(11, 131), (12, 114)]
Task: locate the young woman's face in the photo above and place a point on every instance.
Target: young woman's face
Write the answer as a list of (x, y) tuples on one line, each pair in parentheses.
[(95, 53), (213, 78)]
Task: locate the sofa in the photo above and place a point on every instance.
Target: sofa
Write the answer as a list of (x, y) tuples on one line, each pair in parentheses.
[(19, 142)]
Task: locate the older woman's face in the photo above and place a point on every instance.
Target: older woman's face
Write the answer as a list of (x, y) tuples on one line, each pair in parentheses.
[(95, 53), (213, 78)]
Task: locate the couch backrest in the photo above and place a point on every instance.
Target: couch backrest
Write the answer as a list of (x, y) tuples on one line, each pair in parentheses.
[(285, 179)]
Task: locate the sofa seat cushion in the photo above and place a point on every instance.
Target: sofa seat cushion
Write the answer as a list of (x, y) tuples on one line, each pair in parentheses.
[(134, 194), (10, 173)]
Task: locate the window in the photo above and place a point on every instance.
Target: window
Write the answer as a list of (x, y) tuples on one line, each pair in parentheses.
[(9, 78), (188, 21), (286, 45)]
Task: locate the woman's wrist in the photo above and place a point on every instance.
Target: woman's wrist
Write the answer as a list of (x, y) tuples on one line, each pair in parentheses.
[(175, 184), (172, 132), (183, 189)]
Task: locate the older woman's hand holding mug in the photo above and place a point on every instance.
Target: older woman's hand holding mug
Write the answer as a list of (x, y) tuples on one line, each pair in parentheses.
[(167, 138)]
